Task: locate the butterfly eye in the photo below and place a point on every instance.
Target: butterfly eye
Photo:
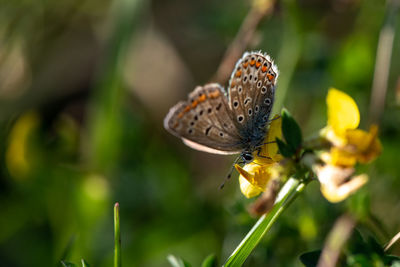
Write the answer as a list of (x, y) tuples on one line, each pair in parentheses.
[(240, 88), (247, 157), (235, 104), (221, 134), (259, 84), (240, 118), (190, 131), (250, 111)]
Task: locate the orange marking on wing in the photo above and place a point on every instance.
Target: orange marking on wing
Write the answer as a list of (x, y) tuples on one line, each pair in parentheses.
[(214, 94), (194, 104), (238, 73), (180, 115), (202, 98), (245, 64), (252, 62), (258, 64), (264, 69), (187, 108), (270, 77), (176, 124)]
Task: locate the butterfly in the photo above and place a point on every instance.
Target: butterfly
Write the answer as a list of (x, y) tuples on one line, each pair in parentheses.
[(231, 122)]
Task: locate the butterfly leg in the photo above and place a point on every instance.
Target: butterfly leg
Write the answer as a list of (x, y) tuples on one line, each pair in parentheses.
[(230, 171), (259, 151)]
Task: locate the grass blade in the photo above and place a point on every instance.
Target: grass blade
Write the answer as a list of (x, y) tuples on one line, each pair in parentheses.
[(287, 194), (117, 237)]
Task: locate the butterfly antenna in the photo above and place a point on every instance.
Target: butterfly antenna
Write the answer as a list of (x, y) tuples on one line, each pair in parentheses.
[(278, 117), (271, 142), (229, 175)]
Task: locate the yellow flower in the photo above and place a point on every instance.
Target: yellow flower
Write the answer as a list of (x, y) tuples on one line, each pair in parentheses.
[(255, 176), (349, 144)]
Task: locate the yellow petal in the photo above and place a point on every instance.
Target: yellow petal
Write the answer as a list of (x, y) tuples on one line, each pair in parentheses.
[(336, 194), (374, 150), (332, 176), (360, 139), (367, 145), (248, 190), (343, 112), (269, 151), (253, 178), (340, 157)]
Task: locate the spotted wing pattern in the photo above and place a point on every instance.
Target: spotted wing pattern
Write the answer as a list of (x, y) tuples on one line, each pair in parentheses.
[(251, 91), (205, 121)]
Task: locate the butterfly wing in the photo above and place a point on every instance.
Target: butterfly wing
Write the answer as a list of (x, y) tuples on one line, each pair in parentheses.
[(204, 122), (251, 91)]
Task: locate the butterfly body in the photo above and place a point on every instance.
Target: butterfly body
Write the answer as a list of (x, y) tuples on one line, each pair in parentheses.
[(231, 122)]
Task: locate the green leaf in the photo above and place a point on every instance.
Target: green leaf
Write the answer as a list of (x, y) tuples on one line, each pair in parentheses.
[(284, 149), (177, 262), (288, 193), (68, 264), (291, 130), (84, 263), (310, 259), (210, 261)]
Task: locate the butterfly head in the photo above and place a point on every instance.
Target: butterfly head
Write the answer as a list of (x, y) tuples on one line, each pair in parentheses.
[(247, 157)]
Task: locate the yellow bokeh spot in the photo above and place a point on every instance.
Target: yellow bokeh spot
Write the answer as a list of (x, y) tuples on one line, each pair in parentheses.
[(343, 112), (307, 227), (17, 150), (96, 187)]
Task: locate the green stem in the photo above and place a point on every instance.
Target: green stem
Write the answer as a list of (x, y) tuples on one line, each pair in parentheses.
[(117, 237), (288, 193)]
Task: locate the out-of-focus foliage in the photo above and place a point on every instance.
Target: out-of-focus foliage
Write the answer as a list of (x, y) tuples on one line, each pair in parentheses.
[(84, 86)]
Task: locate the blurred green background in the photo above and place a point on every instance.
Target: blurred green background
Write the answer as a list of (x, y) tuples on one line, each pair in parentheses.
[(84, 87)]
